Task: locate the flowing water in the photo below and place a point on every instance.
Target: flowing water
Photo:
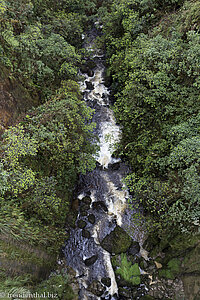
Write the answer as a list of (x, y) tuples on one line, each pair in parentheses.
[(105, 188)]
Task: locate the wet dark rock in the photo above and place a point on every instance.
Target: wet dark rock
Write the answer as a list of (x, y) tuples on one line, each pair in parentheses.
[(89, 85), (98, 165), (134, 248), (123, 292), (106, 281), (91, 219), (84, 213), (90, 261), (145, 279), (96, 288), (86, 234), (84, 69), (107, 79), (88, 193), (91, 64), (84, 209), (114, 166), (90, 73), (86, 200), (81, 224), (117, 241), (99, 205)]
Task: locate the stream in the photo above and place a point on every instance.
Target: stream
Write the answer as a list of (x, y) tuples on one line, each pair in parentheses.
[(102, 196)]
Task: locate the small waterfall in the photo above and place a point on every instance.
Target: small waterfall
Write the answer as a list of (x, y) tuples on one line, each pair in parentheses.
[(105, 189)]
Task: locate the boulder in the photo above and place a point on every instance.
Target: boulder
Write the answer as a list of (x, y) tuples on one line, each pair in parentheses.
[(114, 166), (89, 85), (96, 288), (134, 248), (84, 69), (86, 234), (84, 209), (90, 261), (90, 73), (106, 281), (91, 218), (91, 64), (117, 241), (86, 200), (99, 205), (81, 224)]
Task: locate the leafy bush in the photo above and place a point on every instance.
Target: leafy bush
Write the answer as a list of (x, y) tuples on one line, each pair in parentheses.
[(129, 272)]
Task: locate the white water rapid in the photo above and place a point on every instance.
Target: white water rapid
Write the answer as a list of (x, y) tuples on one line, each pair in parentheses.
[(105, 189)]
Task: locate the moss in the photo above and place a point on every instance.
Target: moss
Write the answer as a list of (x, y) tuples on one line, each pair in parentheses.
[(117, 241), (167, 274), (174, 265), (183, 241), (191, 263), (172, 270)]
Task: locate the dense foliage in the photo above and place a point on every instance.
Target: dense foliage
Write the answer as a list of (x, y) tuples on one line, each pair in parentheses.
[(44, 153), (154, 57)]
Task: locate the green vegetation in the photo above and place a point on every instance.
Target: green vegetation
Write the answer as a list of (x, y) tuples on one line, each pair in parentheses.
[(128, 271), (42, 154), (173, 268), (153, 56), (153, 59)]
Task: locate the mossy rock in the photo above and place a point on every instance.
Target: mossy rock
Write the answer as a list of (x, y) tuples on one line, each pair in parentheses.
[(86, 234), (81, 224), (117, 241), (172, 270), (176, 246), (106, 281), (86, 200), (84, 209), (183, 242), (91, 218), (96, 288), (191, 263)]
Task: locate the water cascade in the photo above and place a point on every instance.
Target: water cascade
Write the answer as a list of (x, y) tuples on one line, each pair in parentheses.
[(104, 187)]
